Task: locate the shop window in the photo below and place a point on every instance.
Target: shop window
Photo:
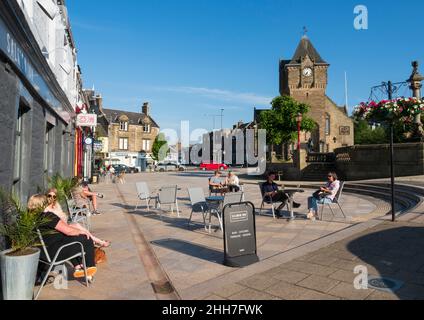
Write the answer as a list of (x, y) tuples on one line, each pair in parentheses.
[(49, 152), (123, 143), (19, 155)]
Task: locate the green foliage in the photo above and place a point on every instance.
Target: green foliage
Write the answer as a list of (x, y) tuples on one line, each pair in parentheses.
[(365, 134), (280, 122), (160, 149), (63, 186), (21, 224)]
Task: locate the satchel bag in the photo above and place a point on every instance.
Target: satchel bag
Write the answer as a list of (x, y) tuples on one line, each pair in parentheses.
[(100, 256)]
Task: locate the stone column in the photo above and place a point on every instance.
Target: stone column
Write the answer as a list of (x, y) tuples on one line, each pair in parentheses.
[(416, 85)]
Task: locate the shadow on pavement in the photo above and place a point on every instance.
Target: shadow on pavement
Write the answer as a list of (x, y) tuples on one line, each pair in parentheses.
[(397, 254), (191, 249)]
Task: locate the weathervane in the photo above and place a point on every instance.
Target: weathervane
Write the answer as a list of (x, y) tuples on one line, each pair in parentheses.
[(305, 31)]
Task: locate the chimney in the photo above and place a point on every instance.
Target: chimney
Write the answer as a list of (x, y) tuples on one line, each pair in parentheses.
[(146, 109)]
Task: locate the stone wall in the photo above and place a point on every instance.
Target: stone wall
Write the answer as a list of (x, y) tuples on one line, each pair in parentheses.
[(373, 161), (135, 135)]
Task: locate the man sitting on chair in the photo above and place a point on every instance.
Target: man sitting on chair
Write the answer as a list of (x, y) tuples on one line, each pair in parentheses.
[(216, 184), (271, 191)]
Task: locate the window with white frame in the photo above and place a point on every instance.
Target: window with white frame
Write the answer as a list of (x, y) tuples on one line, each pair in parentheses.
[(146, 128), (146, 145), (123, 143), (123, 125)]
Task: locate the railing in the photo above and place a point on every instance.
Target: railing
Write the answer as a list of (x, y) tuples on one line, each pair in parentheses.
[(321, 158)]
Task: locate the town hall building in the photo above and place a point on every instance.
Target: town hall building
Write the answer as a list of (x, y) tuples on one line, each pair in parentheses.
[(305, 78)]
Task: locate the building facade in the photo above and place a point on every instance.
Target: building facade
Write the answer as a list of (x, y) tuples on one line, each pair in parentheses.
[(305, 78), (130, 137), (40, 86)]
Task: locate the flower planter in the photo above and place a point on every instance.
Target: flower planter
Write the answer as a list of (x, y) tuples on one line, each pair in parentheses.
[(18, 274)]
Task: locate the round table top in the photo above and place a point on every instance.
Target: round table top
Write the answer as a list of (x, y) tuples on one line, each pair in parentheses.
[(215, 199)]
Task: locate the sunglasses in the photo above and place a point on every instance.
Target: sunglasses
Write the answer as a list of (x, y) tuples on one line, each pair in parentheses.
[(51, 196)]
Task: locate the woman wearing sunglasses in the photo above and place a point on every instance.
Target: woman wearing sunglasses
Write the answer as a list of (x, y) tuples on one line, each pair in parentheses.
[(54, 207), (325, 195), (58, 234)]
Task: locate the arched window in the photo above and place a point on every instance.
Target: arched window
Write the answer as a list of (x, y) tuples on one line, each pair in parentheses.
[(327, 124)]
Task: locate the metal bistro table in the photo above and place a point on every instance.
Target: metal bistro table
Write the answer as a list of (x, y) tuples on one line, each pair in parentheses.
[(291, 193)]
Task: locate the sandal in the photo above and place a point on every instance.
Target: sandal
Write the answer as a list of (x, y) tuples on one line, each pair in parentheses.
[(78, 274)]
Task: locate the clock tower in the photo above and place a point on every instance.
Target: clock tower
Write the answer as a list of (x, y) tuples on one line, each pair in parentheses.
[(305, 78)]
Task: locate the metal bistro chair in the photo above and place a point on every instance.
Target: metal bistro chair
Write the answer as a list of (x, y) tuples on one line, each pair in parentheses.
[(336, 201), (54, 262), (168, 196), (198, 204), (78, 215), (143, 193), (268, 200), (229, 198)]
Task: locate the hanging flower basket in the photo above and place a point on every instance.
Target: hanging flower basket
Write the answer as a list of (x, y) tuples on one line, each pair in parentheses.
[(404, 109)]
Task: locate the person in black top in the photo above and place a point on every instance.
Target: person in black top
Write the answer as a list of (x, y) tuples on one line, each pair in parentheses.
[(60, 234), (271, 191)]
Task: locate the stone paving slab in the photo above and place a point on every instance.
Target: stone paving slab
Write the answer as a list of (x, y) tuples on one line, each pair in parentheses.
[(192, 258), (311, 277)]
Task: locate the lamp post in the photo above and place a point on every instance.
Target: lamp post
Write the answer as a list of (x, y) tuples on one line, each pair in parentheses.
[(299, 119)]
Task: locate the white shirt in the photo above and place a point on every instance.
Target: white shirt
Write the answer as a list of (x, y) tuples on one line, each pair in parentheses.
[(334, 188)]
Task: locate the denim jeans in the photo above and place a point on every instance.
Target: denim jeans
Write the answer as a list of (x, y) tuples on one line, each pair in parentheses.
[(314, 202)]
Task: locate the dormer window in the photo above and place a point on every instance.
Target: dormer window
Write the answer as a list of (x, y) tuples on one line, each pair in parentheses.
[(123, 123), (146, 128), (123, 126)]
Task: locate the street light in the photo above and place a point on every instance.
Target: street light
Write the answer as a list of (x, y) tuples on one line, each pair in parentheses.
[(299, 119)]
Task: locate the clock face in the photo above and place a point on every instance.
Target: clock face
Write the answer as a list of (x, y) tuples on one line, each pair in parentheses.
[(307, 72)]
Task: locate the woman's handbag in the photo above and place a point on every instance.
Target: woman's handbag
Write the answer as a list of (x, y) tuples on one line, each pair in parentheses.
[(100, 256), (320, 195)]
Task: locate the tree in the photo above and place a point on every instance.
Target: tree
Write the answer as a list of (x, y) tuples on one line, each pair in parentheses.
[(160, 148), (365, 134), (280, 122)]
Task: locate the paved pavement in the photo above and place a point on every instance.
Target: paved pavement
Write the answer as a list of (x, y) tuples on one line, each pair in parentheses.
[(387, 250), (154, 259)]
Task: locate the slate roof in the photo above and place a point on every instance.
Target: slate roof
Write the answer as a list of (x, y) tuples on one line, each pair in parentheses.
[(305, 48), (134, 118)]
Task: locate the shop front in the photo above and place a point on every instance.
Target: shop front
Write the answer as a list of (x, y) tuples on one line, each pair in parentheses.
[(37, 133)]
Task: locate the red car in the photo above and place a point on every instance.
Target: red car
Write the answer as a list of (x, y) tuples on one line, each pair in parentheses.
[(213, 166)]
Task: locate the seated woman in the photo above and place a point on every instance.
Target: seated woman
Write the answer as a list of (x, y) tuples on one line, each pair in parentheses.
[(54, 207), (85, 198), (60, 233), (325, 195), (233, 182)]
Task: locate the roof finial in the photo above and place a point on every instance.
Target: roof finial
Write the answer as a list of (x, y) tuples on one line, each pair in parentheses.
[(305, 32)]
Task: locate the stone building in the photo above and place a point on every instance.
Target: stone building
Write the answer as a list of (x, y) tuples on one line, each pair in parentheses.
[(40, 87), (131, 136), (305, 78)]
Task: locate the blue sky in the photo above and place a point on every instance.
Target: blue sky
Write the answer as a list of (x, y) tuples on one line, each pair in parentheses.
[(190, 58)]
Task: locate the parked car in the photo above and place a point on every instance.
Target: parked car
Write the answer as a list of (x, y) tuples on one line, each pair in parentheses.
[(119, 168), (170, 166), (213, 166)]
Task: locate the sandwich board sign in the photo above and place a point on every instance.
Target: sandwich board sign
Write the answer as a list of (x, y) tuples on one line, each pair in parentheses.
[(240, 248)]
